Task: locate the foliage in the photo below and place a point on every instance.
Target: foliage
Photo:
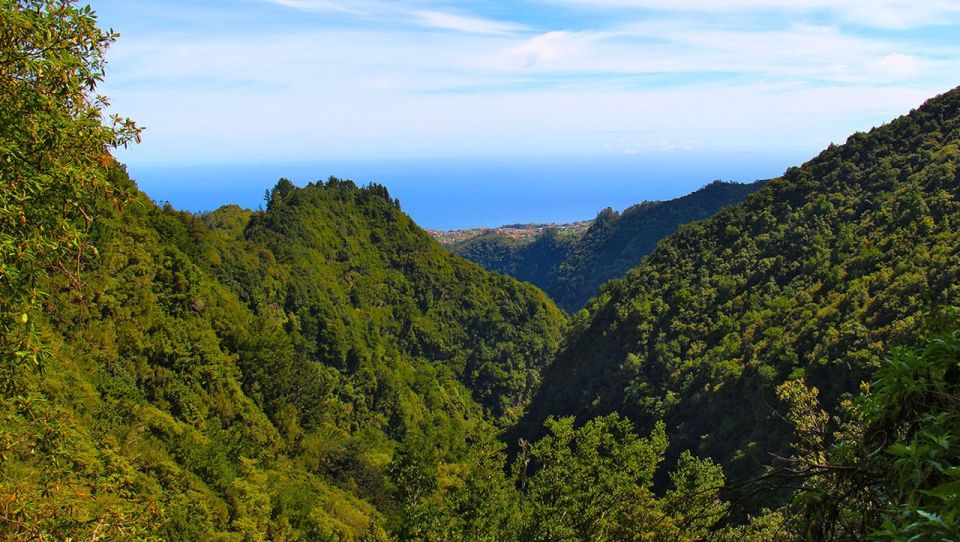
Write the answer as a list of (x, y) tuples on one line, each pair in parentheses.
[(594, 482), (323, 370), (472, 500), (59, 484), (194, 414), (892, 469), (572, 267), (359, 287), (53, 149), (234, 376)]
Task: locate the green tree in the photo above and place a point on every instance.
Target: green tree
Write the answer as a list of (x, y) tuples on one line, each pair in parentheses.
[(887, 467), (414, 476), (54, 153), (596, 483)]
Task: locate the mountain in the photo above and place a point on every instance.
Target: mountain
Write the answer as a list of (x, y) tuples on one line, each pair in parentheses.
[(816, 275), (248, 374), (357, 282), (318, 370), (572, 265)]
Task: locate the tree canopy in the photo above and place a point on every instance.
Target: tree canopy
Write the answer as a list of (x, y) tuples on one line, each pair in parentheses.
[(54, 147)]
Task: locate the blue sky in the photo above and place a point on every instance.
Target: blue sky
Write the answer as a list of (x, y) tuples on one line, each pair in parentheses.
[(275, 81)]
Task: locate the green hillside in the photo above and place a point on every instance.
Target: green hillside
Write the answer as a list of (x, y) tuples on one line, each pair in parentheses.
[(571, 268), (239, 375), (252, 372), (817, 274), (358, 284)]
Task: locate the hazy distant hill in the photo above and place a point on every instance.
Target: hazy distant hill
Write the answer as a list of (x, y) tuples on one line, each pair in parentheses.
[(571, 261)]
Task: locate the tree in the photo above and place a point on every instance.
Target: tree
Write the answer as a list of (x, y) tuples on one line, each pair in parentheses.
[(595, 482), (891, 468), (54, 157), (414, 475)]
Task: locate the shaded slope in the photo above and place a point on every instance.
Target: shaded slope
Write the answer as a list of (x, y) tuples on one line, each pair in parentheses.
[(536, 261), (818, 273), (571, 268)]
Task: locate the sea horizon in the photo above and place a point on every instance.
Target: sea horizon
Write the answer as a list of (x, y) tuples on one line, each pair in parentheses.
[(472, 192)]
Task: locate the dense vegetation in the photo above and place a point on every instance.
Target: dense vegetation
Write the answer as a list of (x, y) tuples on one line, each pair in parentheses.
[(887, 465), (572, 267), (816, 275), (321, 369), (359, 286), (273, 411), (54, 146)]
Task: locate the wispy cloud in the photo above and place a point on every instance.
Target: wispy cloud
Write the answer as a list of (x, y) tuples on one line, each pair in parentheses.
[(806, 54), (559, 48), (353, 7), (410, 12), (464, 23), (879, 13)]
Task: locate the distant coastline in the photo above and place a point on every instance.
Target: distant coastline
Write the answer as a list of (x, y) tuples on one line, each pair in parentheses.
[(463, 193)]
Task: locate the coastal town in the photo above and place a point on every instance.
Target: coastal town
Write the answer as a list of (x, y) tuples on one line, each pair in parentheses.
[(518, 232)]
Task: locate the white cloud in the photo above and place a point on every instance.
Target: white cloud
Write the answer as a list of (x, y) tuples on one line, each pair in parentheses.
[(355, 7), (898, 66), (683, 51), (464, 23), (409, 12), (558, 48), (878, 13)]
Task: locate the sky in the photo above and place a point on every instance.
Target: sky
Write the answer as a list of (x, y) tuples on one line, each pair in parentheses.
[(425, 95)]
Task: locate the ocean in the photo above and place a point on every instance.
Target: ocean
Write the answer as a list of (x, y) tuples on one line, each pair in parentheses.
[(456, 193)]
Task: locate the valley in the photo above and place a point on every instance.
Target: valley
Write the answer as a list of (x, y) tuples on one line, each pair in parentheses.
[(772, 361)]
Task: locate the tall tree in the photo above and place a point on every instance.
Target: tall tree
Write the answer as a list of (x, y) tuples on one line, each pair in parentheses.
[(54, 149)]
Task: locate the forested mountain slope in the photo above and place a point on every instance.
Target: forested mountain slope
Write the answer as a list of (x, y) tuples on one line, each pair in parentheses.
[(571, 268), (142, 424), (816, 274), (249, 374), (357, 283)]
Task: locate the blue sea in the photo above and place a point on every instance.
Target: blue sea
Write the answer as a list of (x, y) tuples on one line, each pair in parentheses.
[(448, 193)]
